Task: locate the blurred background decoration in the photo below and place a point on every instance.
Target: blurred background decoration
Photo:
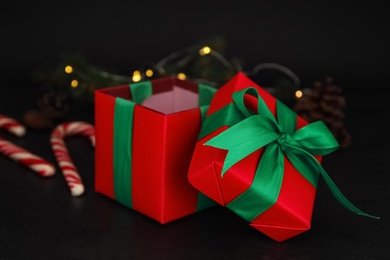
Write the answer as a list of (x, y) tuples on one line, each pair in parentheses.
[(71, 82)]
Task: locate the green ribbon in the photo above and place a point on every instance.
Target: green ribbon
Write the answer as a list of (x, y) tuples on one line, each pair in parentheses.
[(123, 138), (122, 150), (251, 131), (141, 91)]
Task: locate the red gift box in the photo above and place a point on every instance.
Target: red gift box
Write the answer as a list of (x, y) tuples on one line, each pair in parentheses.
[(145, 136), (255, 156)]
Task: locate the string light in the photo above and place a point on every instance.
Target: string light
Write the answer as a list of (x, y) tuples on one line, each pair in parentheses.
[(68, 69), (181, 76), (276, 66), (186, 55), (183, 64), (136, 76), (74, 83), (149, 73), (205, 50), (298, 94)]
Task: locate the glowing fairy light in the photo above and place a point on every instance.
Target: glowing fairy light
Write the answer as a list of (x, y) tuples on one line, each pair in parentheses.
[(68, 69), (181, 76), (205, 50), (136, 76), (149, 73), (74, 83), (298, 94)]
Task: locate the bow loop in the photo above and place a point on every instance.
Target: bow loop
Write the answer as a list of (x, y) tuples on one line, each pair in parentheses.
[(316, 138)]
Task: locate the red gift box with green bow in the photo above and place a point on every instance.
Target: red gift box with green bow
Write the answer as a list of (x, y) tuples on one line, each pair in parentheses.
[(255, 156), (145, 136)]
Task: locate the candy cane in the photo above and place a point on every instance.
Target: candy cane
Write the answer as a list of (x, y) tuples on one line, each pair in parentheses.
[(66, 164), (26, 158), (20, 155), (12, 126)]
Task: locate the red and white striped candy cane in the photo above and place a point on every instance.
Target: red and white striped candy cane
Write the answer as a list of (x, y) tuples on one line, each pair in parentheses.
[(64, 160), (26, 158), (12, 126), (20, 155)]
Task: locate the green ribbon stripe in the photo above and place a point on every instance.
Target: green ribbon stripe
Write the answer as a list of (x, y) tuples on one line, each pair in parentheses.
[(123, 140), (123, 134), (249, 131), (122, 151)]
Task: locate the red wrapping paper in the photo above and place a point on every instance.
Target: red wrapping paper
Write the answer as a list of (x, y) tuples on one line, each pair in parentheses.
[(162, 147), (292, 212)]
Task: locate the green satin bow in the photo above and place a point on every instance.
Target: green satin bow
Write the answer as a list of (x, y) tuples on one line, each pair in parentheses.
[(250, 132)]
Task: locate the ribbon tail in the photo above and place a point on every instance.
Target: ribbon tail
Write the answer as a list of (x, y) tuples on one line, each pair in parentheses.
[(340, 197), (307, 164)]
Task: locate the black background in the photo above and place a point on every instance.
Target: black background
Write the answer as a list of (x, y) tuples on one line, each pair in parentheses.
[(346, 40)]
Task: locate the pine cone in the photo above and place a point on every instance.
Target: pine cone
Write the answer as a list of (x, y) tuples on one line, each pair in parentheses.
[(34, 119), (324, 101), (53, 105)]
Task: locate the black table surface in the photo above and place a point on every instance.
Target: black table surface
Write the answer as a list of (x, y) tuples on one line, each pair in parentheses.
[(39, 219)]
